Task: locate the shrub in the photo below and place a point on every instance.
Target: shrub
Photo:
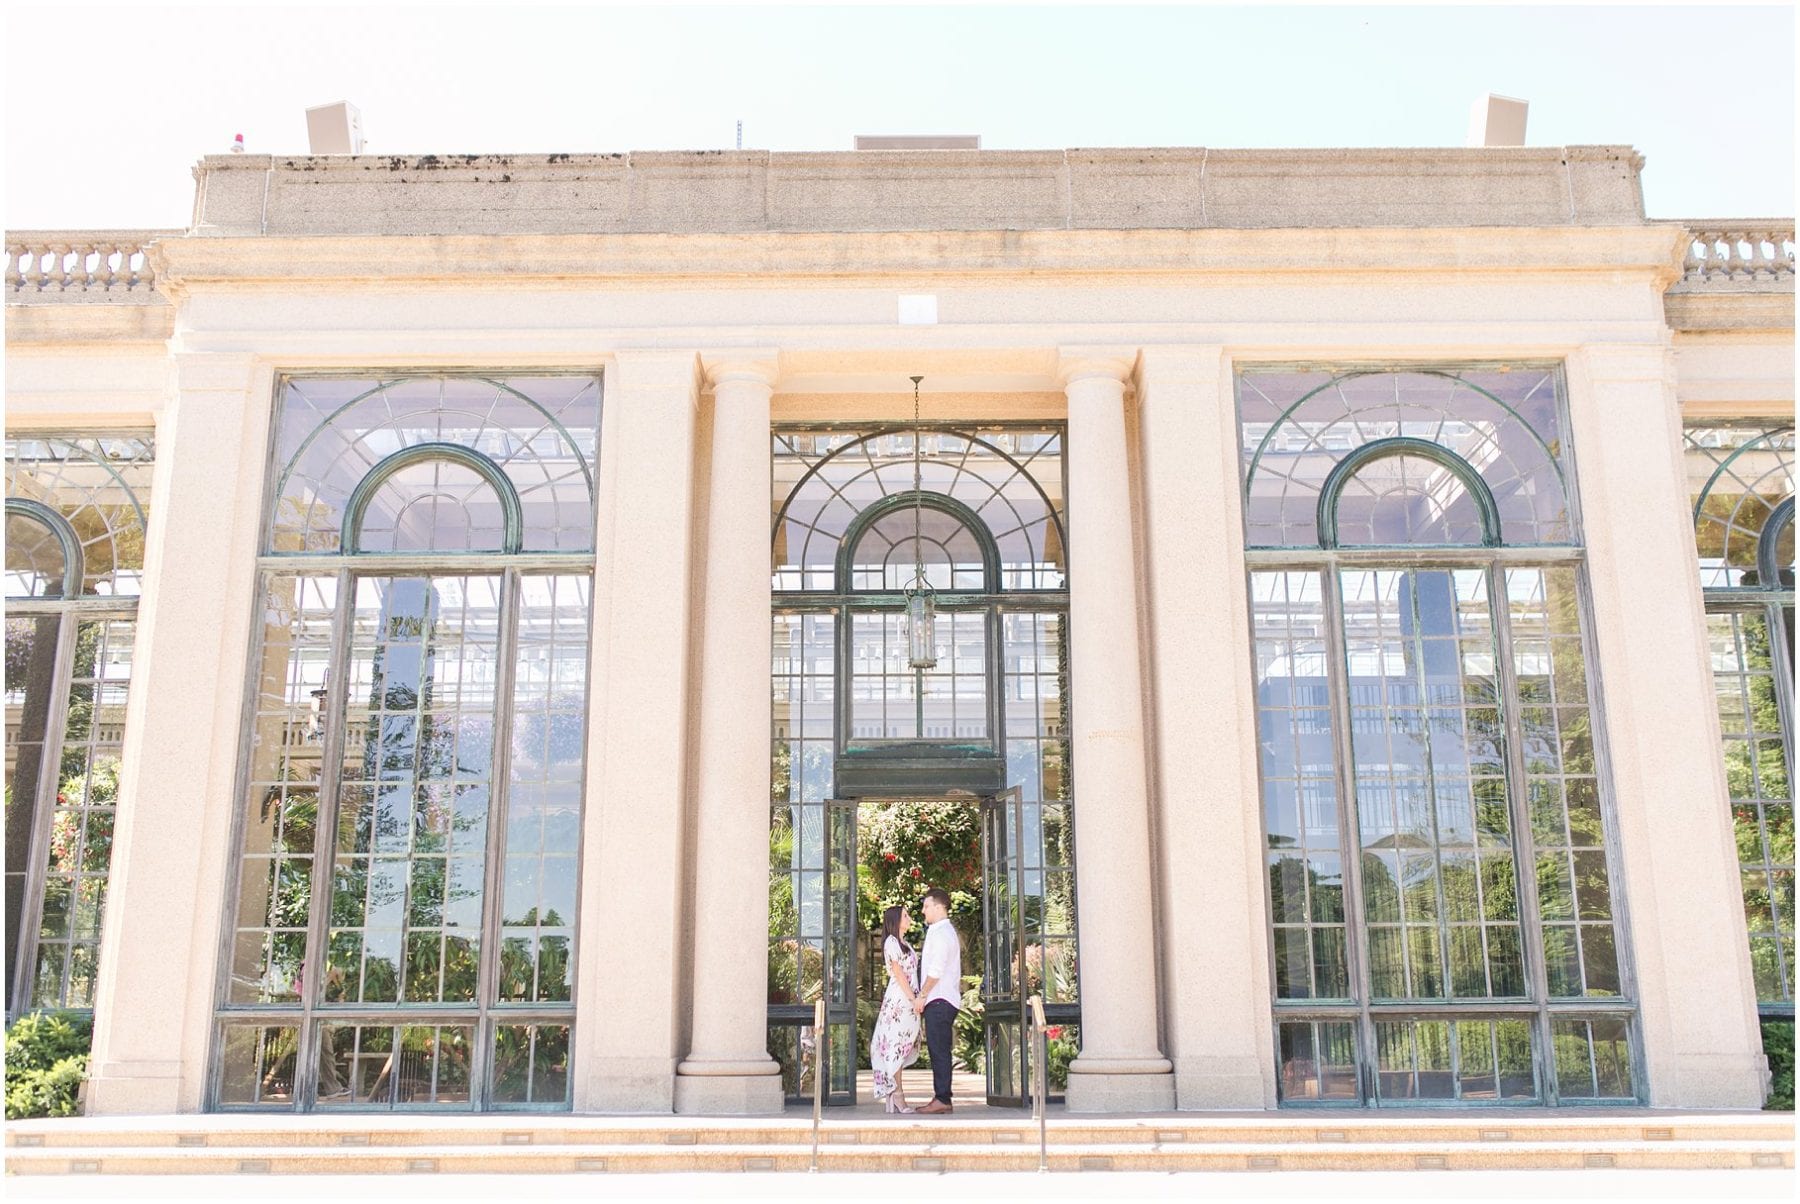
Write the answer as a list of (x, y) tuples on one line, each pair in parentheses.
[(1778, 1047), (46, 1058)]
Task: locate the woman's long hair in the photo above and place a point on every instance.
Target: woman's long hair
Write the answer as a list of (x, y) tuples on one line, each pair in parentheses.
[(890, 926)]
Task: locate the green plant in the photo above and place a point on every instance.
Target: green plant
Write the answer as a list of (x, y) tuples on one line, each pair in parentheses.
[(1062, 1048), (1778, 1047), (46, 1057), (970, 1045)]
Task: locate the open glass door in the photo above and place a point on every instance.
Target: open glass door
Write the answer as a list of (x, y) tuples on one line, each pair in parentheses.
[(1003, 991), (840, 952)]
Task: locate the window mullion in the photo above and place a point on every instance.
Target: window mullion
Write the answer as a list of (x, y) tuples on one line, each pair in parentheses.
[(494, 892), (336, 710), (49, 781), (1337, 678), (1519, 816)]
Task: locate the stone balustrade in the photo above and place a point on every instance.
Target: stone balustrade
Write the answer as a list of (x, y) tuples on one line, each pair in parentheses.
[(1739, 255), (75, 265)]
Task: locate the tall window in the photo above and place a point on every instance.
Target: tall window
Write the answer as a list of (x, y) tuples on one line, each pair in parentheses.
[(845, 542), (1437, 823), (75, 521), (1741, 477), (403, 931)]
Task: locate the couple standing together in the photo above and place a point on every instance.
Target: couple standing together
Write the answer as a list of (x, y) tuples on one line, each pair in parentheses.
[(923, 991)]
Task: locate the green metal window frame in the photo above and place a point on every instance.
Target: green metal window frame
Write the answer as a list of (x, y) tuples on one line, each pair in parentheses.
[(1494, 558), (346, 566), (36, 511), (1381, 449), (512, 513)]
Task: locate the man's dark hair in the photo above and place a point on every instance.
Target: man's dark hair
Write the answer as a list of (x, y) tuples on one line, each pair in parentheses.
[(941, 895)]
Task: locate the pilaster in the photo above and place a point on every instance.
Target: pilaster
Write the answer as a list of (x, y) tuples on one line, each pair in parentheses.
[(1214, 911), (160, 941), (632, 909), (1678, 859)]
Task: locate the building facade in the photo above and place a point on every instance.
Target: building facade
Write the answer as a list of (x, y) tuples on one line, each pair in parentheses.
[(459, 653)]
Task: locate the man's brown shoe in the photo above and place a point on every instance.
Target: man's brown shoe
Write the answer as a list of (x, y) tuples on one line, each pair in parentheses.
[(934, 1107)]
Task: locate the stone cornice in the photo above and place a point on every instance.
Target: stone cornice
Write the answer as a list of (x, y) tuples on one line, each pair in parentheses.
[(848, 191), (537, 261)]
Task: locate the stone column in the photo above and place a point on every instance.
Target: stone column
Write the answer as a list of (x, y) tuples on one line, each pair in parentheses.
[(728, 1069), (1678, 867), (159, 953), (1211, 888), (1121, 1067), (630, 966)]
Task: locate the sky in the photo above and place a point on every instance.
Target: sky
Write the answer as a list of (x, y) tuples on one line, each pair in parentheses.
[(107, 109)]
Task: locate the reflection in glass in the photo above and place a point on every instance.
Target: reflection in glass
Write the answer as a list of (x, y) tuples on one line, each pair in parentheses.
[(1507, 423)]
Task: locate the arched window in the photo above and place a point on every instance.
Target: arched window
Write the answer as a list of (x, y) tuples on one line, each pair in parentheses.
[(1506, 423), (404, 927), (434, 497), (1437, 832), (1741, 477), (892, 538), (75, 523), (853, 719)]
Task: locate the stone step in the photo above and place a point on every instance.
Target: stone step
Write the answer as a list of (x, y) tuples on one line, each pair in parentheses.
[(316, 1132), (929, 1157)]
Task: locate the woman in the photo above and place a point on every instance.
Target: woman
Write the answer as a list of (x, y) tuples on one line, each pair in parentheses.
[(895, 1044)]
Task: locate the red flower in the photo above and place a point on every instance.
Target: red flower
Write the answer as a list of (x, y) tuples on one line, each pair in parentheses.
[(889, 858), (916, 871), (61, 797), (1053, 1031)]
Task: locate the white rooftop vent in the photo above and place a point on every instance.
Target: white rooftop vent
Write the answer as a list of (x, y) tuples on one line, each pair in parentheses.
[(1497, 121), (335, 129), (918, 142)]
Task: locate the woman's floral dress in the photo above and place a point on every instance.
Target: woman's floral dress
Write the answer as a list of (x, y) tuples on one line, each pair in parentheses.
[(895, 1045)]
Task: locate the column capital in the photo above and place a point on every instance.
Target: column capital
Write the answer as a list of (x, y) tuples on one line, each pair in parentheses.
[(759, 366), (1076, 364)]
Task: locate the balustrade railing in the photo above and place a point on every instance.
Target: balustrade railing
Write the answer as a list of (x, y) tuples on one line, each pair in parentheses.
[(1736, 254), (103, 264)]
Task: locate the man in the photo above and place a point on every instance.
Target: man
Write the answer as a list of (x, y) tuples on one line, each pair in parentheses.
[(940, 996)]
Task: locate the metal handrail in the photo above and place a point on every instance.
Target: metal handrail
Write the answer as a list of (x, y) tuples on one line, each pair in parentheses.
[(818, 1077), (1040, 1078)]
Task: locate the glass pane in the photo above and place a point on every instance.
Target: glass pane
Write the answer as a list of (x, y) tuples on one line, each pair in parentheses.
[(1593, 1058), (433, 506), (1405, 500), (1430, 811), (543, 826), (1317, 1061), (79, 856), (890, 701), (1757, 778), (415, 791), (257, 1064), (1562, 787), (1737, 475), (31, 654), (1304, 850), (541, 431), (1296, 425), (891, 548), (36, 566), (1011, 477), (281, 807), (100, 484)]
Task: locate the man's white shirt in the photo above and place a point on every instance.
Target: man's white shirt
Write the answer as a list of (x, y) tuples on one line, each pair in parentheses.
[(942, 960)]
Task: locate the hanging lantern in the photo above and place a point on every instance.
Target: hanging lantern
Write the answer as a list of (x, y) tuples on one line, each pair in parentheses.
[(921, 627), (921, 604)]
